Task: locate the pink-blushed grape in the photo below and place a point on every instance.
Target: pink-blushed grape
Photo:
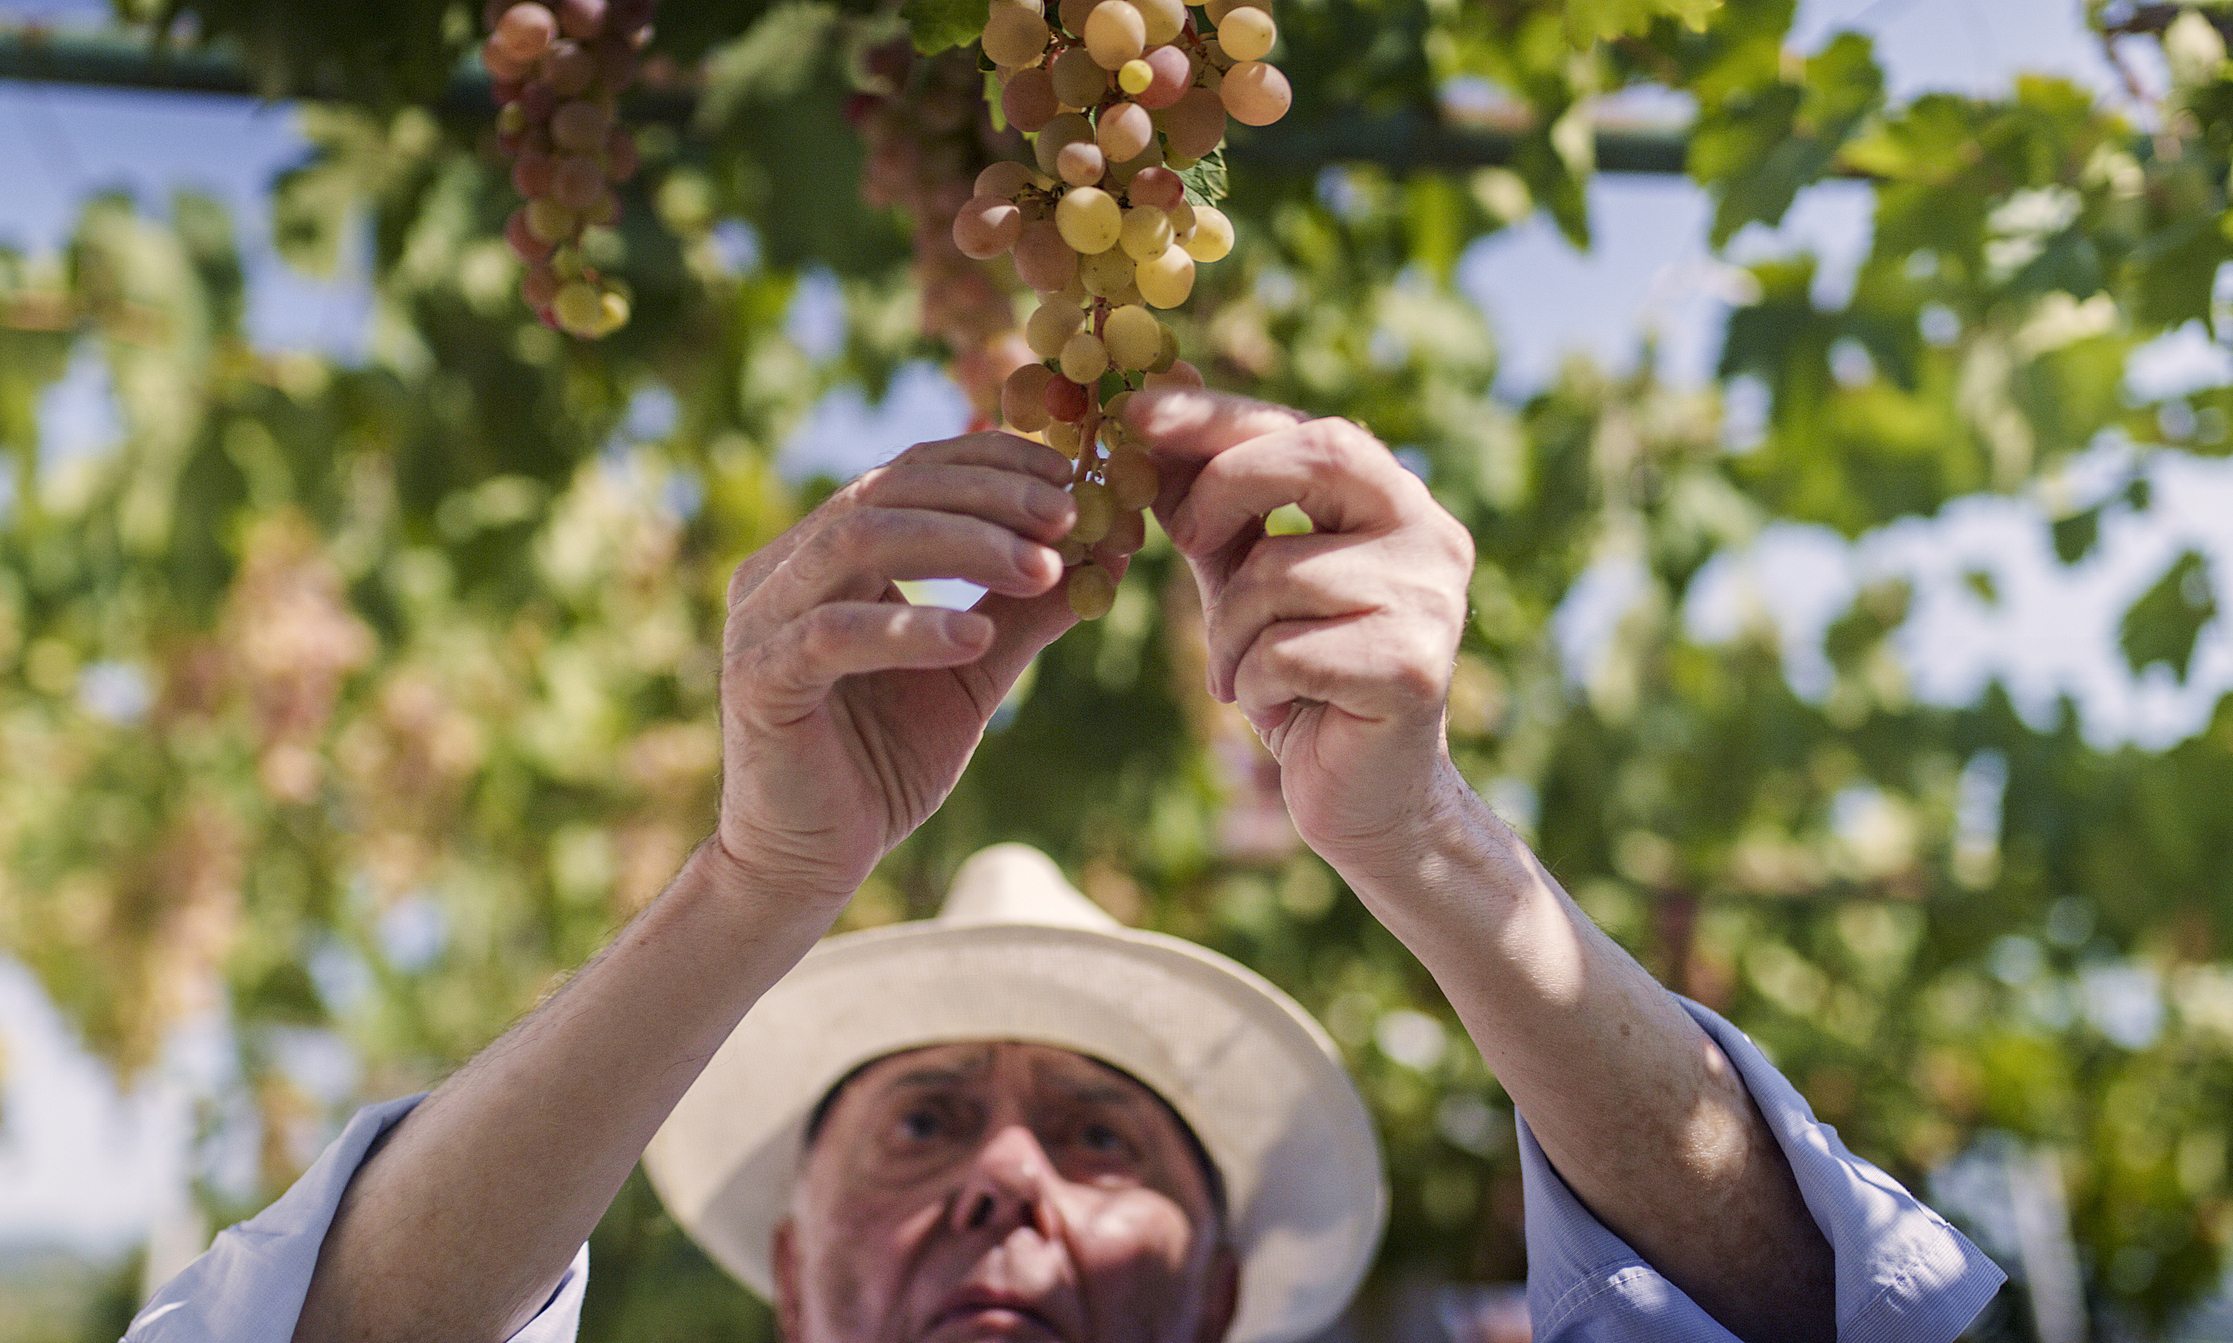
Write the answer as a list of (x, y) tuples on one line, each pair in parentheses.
[(1006, 179), (1180, 374), (581, 19), (1023, 398), (1014, 35), (1172, 73), (1124, 132), (1029, 100), (1066, 400), (986, 227), (1081, 164), (1195, 124), (1159, 187), (580, 126), (1043, 260), (1255, 93), (525, 31)]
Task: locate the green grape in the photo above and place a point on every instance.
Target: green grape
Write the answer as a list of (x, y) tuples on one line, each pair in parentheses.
[(579, 308), (1163, 19), (1166, 280), (1096, 510), (1084, 358), (1068, 128), (1133, 337), (1212, 235), (1107, 274), (1050, 327), (1146, 232), (1115, 33), (1090, 588), (1089, 217), (1246, 34), (1079, 80)]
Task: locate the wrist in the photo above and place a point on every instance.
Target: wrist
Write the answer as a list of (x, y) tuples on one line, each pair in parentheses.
[(1453, 858), (746, 882)]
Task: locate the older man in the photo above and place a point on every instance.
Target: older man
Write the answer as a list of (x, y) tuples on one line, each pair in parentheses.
[(1020, 1122)]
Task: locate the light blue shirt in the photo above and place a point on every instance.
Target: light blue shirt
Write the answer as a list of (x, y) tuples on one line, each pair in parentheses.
[(1903, 1274)]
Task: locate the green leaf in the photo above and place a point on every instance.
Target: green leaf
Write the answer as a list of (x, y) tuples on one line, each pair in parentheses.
[(2076, 535), (2164, 624), (1761, 150), (777, 59), (1592, 21), (939, 24), (1206, 182)]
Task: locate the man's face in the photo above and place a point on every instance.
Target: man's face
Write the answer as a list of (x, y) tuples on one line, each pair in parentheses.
[(1001, 1191)]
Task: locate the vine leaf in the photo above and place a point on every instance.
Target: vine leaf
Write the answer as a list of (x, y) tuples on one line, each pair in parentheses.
[(938, 24), (1206, 181), (2167, 620)]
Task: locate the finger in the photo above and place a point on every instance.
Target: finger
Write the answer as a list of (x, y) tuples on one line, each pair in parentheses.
[(784, 678), (1369, 667), (1316, 577), (992, 450), (1023, 503), (1339, 475), (1025, 627), (995, 449), (1189, 423), (858, 555)]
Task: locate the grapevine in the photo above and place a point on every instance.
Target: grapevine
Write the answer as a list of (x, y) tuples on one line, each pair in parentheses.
[(928, 136), (1121, 97), (559, 69)]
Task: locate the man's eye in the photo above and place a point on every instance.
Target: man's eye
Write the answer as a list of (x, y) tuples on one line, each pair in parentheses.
[(1101, 1138), (919, 1125)]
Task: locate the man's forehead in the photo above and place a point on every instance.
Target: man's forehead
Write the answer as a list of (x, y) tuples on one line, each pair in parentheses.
[(979, 1061)]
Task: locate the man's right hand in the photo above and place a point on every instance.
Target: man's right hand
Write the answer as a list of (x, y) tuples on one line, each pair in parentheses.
[(847, 715)]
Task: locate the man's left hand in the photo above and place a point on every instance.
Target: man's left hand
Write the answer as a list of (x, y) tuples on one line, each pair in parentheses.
[(1337, 645)]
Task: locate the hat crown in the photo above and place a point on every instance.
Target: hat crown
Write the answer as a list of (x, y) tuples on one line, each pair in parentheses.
[(1015, 883)]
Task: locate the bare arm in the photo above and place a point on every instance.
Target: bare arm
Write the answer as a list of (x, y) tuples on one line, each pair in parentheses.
[(1338, 647), (1641, 1113), (846, 717)]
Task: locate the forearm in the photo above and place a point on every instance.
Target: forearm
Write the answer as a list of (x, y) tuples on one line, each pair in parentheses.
[(1643, 1116), (462, 1223)]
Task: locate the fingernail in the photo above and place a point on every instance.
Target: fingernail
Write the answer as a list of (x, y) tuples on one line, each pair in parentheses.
[(1028, 559)]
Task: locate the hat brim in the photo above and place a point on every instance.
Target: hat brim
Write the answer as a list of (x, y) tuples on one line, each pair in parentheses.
[(1241, 1062)]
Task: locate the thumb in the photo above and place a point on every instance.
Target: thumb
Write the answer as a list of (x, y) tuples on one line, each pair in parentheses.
[(1022, 626)]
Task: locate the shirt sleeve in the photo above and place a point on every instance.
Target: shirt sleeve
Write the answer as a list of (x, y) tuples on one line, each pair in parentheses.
[(1903, 1274), (250, 1286)]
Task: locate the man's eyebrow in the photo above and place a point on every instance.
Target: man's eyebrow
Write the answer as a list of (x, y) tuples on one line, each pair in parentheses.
[(925, 1078)]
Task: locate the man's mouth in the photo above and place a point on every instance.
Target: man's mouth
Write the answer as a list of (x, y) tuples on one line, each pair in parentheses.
[(995, 1313)]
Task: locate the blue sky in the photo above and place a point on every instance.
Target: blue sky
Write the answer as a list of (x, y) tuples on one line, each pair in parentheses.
[(84, 1165)]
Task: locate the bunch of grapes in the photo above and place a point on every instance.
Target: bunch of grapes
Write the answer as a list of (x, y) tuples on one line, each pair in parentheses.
[(558, 70), (1121, 96), (928, 135)]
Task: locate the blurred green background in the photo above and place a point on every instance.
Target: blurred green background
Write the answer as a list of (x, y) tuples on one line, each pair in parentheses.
[(1856, 661)]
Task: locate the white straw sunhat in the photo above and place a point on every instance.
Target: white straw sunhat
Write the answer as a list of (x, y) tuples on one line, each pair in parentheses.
[(1017, 954)]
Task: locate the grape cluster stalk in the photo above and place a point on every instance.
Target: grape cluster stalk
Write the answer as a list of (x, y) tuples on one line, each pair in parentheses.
[(928, 134), (1120, 97), (559, 69)]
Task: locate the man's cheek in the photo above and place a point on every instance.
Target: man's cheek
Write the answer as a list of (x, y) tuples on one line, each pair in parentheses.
[(1135, 1261), (865, 1263)]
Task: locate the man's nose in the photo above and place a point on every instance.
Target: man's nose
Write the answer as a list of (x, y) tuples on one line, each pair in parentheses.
[(1007, 1186)]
